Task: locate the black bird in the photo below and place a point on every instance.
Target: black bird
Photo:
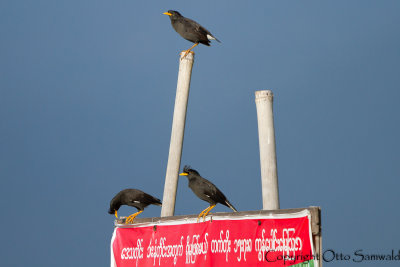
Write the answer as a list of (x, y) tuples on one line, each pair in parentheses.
[(134, 198), (190, 30), (205, 190)]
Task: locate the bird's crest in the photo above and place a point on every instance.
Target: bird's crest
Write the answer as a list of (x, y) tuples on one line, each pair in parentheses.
[(174, 12), (187, 168)]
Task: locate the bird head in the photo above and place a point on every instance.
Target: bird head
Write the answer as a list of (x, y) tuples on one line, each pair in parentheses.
[(111, 211), (115, 204), (173, 14), (187, 171)]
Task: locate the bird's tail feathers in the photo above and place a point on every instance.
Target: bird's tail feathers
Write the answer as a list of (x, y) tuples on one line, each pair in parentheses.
[(210, 37), (158, 202), (230, 206)]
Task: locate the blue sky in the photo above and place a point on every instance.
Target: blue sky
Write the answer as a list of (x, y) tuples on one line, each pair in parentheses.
[(87, 90)]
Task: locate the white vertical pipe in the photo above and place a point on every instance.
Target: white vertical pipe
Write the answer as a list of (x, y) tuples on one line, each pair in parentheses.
[(177, 133), (266, 137)]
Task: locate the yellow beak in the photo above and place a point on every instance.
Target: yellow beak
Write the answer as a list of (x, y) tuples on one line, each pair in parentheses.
[(184, 173), (166, 13)]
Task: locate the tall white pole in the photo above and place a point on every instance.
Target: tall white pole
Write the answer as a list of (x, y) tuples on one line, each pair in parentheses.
[(177, 133), (266, 137)]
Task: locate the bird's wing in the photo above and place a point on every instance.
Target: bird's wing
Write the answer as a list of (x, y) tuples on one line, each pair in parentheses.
[(203, 31), (220, 196), (212, 191), (207, 187), (204, 187), (217, 194), (192, 26), (147, 199)]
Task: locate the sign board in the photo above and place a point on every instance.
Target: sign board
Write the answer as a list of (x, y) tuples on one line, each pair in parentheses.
[(248, 240)]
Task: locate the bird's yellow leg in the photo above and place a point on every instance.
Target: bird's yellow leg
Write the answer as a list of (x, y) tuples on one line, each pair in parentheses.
[(201, 213), (116, 214), (187, 51), (131, 217), (205, 214)]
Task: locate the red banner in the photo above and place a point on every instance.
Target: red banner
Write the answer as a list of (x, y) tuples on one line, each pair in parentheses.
[(273, 240)]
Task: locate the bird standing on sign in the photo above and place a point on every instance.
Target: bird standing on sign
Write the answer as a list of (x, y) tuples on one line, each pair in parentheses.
[(206, 191), (190, 30), (134, 198)]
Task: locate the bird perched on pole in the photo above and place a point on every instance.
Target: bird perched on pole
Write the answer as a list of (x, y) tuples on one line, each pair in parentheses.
[(190, 30), (206, 191), (134, 198)]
